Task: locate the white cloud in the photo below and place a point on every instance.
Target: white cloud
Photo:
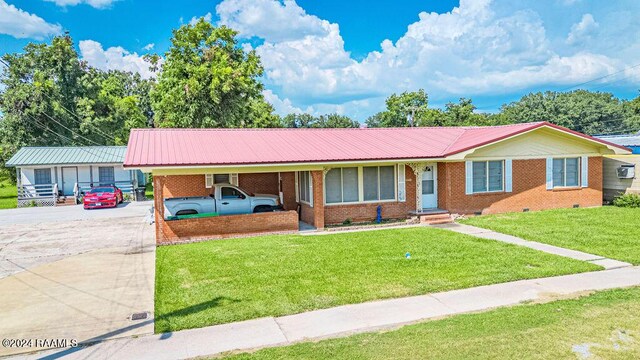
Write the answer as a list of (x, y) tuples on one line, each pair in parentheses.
[(149, 46), (20, 24), (583, 30), (482, 47), (271, 20), (282, 107), (113, 58), (194, 20), (98, 4)]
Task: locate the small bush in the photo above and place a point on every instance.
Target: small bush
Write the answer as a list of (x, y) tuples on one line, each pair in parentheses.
[(627, 200), (347, 222)]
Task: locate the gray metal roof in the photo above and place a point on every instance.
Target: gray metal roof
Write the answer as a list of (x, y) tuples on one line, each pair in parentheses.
[(624, 140), (68, 155)]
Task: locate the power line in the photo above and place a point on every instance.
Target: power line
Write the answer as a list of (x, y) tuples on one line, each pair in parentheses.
[(577, 85), (78, 119), (44, 127)]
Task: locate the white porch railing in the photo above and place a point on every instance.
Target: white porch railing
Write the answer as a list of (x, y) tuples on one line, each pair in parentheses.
[(37, 195)]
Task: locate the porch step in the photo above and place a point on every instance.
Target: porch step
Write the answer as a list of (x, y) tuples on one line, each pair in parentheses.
[(66, 201), (437, 218)]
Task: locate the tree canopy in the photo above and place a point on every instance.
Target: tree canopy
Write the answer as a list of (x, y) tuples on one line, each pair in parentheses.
[(207, 80), (322, 121), (51, 97)]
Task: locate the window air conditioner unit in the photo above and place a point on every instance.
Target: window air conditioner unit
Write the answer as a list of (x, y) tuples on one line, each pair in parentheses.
[(626, 172)]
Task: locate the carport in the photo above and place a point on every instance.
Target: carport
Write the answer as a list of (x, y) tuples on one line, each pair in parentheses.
[(282, 184)]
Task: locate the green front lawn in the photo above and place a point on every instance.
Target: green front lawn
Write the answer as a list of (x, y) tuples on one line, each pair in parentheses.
[(8, 194), (223, 281), (608, 231), (605, 325)]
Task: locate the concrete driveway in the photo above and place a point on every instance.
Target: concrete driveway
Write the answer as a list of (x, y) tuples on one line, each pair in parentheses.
[(67, 273)]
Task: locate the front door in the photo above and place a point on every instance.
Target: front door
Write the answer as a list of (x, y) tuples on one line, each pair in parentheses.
[(429, 187), (69, 180)]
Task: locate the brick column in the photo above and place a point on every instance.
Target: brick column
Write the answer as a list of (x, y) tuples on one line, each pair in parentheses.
[(158, 206), (318, 199)]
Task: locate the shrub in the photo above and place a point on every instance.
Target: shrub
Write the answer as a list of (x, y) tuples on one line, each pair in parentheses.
[(347, 222), (627, 200)]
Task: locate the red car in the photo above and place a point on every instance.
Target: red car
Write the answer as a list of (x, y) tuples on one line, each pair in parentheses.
[(102, 197)]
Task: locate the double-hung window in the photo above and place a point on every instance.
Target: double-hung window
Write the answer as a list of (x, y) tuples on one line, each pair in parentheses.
[(488, 176), (342, 185), (566, 172), (305, 193)]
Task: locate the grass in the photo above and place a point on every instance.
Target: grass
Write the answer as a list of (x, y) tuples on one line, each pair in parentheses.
[(148, 191), (8, 194), (215, 282), (607, 231), (605, 325)]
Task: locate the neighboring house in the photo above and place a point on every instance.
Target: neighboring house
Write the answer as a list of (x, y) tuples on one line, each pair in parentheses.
[(329, 176), (47, 176), (621, 172)]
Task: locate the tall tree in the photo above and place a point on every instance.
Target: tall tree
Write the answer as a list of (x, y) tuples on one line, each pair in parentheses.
[(52, 98), (207, 80)]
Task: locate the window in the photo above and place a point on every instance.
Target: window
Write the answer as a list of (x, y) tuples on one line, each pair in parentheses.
[(106, 175), (231, 193), (488, 176), (221, 179), (341, 185), (304, 184), (42, 176), (378, 183), (566, 172)]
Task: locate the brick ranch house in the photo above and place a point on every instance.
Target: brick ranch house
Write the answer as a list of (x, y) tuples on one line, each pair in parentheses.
[(328, 176)]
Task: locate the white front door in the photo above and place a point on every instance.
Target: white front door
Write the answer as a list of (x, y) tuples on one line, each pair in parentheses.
[(69, 180), (430, 187)]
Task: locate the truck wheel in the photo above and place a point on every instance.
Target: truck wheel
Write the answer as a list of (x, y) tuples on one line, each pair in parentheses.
[(262, 208)]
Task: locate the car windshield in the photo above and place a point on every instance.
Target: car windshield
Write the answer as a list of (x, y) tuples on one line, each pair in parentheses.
[(101, 190)]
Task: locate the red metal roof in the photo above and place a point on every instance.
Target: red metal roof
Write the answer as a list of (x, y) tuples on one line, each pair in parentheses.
[(201, 147)]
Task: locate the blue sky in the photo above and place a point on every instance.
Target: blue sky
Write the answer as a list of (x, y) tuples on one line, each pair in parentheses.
[(347, 56)]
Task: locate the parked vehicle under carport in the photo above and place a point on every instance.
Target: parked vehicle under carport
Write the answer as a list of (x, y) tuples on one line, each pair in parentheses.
[(225, 199)]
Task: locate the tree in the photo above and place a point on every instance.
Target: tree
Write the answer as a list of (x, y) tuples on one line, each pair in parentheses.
[(322, 121), (207, 80), (51, 98), (399, 107), (580, 110)]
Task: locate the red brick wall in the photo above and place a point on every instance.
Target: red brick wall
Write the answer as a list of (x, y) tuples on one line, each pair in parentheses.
[(232, 225), (529, 190), (336, 214), (259, 183), (227, 226)]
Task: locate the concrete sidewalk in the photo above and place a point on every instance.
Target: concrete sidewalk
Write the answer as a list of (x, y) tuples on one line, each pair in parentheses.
[(345, 320), (606, 263)]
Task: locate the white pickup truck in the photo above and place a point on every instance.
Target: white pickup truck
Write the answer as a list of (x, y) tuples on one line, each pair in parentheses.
[(225, 199)]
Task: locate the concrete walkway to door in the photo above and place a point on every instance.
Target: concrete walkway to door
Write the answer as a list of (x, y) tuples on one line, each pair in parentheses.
[(555, 250)]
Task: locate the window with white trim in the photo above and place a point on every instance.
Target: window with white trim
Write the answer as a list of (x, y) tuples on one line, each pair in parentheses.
[(304, 191), (341, 185), (566, 172), (378, 183), (488, 176)]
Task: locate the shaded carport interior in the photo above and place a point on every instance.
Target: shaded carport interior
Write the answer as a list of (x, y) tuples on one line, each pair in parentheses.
[(282, 184)]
